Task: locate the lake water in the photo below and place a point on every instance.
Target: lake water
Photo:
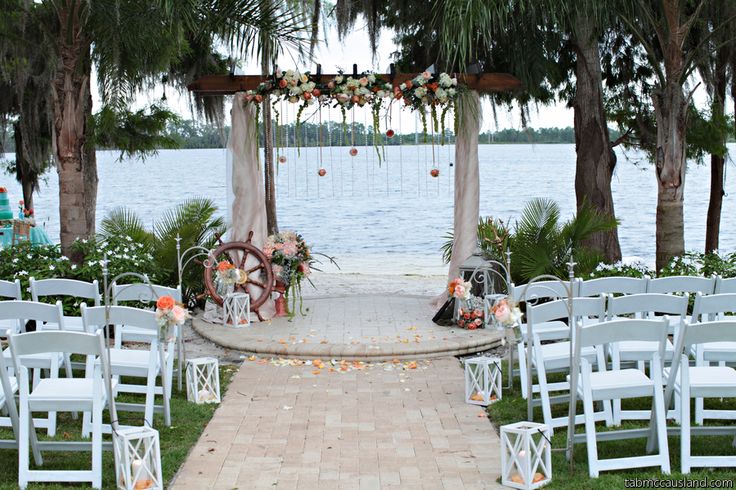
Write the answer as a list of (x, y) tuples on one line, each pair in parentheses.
[(391, 216)]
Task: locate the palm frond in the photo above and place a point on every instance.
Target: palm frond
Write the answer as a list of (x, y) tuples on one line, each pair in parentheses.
[(122, 222)]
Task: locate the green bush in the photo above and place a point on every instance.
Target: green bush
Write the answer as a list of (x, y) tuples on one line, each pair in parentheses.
[(619, 269)]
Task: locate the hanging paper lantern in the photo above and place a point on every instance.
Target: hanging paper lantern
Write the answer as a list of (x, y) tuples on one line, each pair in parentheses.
[(282, 159), (390, 133), (435, 172), (353, 152), (322, 172)]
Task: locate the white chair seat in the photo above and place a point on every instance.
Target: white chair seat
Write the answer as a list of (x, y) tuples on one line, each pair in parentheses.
[(70, 394), (625, 383), (71, 324), (557, 355), (719, 351), (546, 327), (708, 377), (40, 361), (635, 350), (129, 362)]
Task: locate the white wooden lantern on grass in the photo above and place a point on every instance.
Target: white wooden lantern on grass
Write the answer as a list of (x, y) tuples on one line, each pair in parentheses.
[(138, 459), (483, 380), (203, 380), (526, 455), (236, 310)]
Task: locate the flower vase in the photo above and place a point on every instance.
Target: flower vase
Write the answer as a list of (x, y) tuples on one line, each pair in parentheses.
[(282, 307)]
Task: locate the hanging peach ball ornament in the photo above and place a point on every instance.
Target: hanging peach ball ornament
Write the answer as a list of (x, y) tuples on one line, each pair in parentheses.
[(282, 159), (435, 172), (322, 172), (353, 152), (390, 133)]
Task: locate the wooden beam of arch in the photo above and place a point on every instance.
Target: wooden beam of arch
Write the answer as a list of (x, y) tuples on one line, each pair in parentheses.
[(230, 84)]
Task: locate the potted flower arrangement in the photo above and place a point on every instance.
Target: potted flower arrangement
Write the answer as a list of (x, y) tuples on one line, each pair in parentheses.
[(291, 261), (470, 313)]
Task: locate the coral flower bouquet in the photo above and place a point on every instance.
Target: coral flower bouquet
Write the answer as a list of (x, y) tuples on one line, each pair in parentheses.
[(470, 314), (506, 314), (228, 275), (169, 315)]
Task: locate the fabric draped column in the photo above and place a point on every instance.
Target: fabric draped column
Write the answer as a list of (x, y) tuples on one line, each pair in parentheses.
[(246, 208), (467, 181)]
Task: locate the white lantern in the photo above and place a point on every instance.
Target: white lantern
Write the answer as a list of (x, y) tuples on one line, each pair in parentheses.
[(138, 458), (203, 380), (236, 310), (483, 380), (526, 457)]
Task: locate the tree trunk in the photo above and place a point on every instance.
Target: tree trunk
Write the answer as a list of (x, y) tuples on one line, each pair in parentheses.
[(72, 99), (670, 107), (713, 221), (23, 171), (595, 158)]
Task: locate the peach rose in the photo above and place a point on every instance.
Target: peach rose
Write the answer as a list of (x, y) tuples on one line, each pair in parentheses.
[(179, 313), (502, 312), (165, 303), (224, 265)]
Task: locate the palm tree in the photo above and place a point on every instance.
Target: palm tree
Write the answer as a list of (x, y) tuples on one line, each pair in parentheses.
[(131, 44)]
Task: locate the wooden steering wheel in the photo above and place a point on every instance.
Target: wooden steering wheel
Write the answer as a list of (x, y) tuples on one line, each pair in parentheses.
[(247, 257)]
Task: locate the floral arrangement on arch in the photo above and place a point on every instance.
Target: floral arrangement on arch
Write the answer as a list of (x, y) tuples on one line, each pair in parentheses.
[(426, 90), (291, 261), (169, 315)]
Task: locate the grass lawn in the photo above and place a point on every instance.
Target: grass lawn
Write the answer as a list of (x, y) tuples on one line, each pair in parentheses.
[(188, 420), (512, 408)]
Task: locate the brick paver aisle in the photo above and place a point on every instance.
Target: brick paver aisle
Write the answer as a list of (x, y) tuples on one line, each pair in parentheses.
[(384, 426)]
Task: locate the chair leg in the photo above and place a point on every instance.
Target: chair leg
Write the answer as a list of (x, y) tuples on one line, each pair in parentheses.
[(96, 443), (69, 374), (544, 396), (522, 369), (180, 359), (24, 423), (660, 414), (150, 397), (51, 430), (685, 427), (589, 416)]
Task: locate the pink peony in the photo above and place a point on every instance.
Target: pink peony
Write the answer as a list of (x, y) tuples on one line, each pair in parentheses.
[(289, 248), (460, 291)]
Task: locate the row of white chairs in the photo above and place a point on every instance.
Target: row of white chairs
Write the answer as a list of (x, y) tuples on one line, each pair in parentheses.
[(682, 380), (89, 293)]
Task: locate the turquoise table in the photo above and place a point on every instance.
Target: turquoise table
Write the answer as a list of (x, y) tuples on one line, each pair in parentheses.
[(38, 236)]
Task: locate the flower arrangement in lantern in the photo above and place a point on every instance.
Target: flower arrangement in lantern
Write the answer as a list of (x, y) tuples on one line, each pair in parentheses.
[(169, 315), (203, 380), (526, 455), (228, 276), (138, 458), (507, 315)]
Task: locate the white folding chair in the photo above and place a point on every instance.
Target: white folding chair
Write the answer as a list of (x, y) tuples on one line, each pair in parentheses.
[(612, 285), (11, 290), (703, 382), (707, 309), (148, 293), (85, 291), (645, 306), (531, 294), (680, 285), (69, 395), (618, 384), (555, 356), (157, 360), (50, 360)]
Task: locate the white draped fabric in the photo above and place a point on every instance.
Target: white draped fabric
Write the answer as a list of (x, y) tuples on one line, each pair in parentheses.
[(467, 181), (246, 205)]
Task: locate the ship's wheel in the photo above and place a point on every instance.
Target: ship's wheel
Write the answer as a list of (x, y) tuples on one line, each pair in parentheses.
[(246, 257)]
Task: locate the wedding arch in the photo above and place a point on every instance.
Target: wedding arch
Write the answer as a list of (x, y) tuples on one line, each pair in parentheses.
[(431, 94)]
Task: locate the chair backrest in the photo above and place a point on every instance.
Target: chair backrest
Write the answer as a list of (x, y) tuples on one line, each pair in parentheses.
[(724, 286), (30, 310), (621, 330), (94, 317), (542, 290), (613, 285), (65, 287), (143, 292), (682, 284), (706, 332), (558, 310), (647, 305), (711, 307), (10, 289), (55, 341)]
